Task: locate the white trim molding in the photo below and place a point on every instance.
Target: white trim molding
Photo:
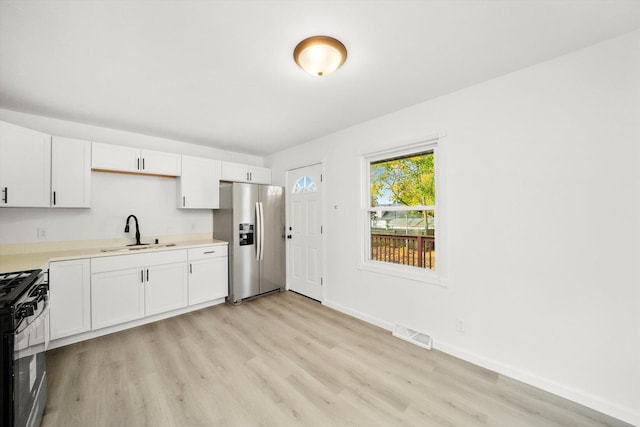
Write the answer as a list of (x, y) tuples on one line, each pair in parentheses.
[(438, 277)]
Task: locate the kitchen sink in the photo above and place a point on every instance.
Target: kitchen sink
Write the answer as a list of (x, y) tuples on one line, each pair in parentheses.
[(138, 247)]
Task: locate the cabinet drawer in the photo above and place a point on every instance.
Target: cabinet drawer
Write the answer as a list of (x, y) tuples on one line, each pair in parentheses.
[(207, 252), (122, 262)]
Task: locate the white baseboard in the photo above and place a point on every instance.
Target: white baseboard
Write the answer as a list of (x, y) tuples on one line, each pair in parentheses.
[(627, 415), (359, 315)]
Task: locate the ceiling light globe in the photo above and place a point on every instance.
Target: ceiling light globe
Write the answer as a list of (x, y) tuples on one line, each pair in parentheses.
[(320, 55)]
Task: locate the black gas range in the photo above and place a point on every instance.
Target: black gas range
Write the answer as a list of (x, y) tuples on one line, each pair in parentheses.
[(24, 329)]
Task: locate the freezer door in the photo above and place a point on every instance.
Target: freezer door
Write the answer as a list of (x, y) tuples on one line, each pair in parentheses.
[(272, 268), (245, 265)]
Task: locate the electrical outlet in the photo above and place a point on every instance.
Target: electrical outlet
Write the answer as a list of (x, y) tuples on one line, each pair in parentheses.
[(461, 325), (42, 233)]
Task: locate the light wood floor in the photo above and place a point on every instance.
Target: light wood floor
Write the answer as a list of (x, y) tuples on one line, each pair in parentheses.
[(284, 360)]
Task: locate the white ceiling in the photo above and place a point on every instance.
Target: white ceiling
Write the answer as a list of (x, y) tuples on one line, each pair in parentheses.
[(221, 73)]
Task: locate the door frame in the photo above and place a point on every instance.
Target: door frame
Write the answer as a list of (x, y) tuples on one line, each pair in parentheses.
[(323, 222)]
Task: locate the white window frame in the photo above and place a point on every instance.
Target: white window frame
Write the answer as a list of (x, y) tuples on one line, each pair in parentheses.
[(437, 276)]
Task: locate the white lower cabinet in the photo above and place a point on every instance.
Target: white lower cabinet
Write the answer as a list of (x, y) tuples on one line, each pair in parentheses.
[(116, 297), (69, 296), (165, 288), (208, 274), (130, 287), (126, 290)]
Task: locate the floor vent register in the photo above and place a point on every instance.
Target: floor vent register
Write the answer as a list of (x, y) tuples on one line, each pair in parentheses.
[(415, 337)]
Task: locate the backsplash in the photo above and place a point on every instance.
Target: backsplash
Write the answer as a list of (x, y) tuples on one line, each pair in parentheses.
[(113, 197)]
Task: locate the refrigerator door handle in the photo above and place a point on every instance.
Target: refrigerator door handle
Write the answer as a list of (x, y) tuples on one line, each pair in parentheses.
[(258, 231), (261, 231)]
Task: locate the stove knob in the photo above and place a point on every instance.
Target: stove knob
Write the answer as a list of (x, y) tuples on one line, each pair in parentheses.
[(42, 290), (26, 310)]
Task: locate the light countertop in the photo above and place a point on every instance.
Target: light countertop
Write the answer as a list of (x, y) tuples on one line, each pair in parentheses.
[(32, 256)]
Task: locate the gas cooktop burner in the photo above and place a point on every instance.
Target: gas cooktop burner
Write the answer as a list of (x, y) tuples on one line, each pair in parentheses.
[(13, 285)]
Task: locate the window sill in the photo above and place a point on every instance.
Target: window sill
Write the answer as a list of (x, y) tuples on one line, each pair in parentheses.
[(405, 272)]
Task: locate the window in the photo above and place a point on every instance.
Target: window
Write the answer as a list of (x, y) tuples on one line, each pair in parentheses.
[(304, 185), (401, 213)]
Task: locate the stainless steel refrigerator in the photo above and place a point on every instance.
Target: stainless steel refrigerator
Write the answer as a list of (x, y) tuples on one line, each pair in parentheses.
[(252, 219)]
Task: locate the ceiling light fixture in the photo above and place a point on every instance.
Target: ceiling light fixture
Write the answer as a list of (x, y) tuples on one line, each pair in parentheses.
[(320, 55)]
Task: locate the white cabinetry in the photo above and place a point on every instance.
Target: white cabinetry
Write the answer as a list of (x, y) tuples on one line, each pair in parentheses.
[(116, 297), (237, 172), (208, 274), (198, 186), (70, 173), (130, 287), (25, 167), (70, 300), (119, 158), (115, 158), (165, 287), (160, 163)]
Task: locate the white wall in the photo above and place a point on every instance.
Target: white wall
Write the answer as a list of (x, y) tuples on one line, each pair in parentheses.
[(543, 171), (114, 196)]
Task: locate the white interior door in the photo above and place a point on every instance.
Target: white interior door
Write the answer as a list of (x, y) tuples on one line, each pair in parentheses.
[(304, 231)]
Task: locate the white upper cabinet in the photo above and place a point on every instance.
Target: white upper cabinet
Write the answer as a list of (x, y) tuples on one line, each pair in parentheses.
[(70, 173), (25, 167), (198, 186), (115, 157), (237, 172), (118, 158), (160, 163)]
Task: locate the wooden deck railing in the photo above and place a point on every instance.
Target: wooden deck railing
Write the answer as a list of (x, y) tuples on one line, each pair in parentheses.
[(417, 251)]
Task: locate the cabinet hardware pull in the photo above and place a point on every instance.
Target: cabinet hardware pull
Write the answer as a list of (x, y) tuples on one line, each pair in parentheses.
[(6, 195), (143, 163), (250, 176), (210, 252), (138, 163), (54, 198), (147, 274), (184, 201), (141, 276), (191, 268)]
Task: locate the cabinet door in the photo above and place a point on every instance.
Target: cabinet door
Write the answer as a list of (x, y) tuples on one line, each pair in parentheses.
[(70, 173), (235, 172), (70, 297), (259, 175), (115, 157), (25, 167), (198, 186), (165, 288), (160, 163), (208, 280), (116, 297)]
